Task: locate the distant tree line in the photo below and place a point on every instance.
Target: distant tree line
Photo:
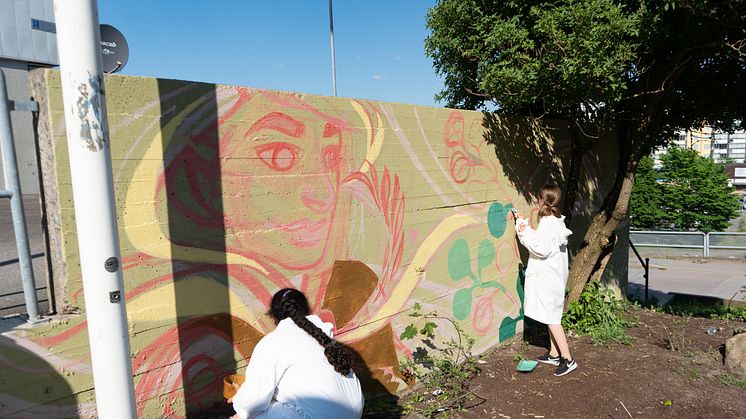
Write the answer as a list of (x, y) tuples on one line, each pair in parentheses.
[(688, 192)]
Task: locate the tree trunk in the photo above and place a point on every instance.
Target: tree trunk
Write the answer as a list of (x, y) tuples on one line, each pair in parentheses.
[(572, 178), (613, 211)]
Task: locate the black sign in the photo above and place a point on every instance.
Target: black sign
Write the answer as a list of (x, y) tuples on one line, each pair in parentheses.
[(114, 49), (111, 264)]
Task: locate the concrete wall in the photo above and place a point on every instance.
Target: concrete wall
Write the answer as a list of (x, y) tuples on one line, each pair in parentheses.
[(226, 194)]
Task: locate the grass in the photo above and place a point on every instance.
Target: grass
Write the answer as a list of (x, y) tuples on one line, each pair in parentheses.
[(729, 380), (696, 308)]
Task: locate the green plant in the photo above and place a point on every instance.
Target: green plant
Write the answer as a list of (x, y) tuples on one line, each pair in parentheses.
[(675, 338), (730, 380), (710, 310), (598, 314), (695, 194), (444, 372)]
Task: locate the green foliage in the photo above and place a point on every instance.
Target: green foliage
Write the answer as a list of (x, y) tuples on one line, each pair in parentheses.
[(521, 53), (693, 194), (730, 380), (646, 200), (630, 72), (444, 372), (598, 63), (598, 314), (709, 310), (696, 193)]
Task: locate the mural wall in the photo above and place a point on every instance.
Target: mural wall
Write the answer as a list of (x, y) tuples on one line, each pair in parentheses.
[(226, 194)]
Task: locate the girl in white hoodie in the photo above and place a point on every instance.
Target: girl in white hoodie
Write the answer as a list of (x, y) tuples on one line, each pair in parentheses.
[(546, 275), (298, 370)]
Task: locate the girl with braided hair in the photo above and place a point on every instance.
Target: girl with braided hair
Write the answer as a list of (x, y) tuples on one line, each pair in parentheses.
[(546, 275), (298, 370)]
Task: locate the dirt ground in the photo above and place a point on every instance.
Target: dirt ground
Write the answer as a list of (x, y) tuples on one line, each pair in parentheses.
[(645, 379)]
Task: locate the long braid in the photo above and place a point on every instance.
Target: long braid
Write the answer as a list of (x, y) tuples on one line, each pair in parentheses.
[(293, 304)]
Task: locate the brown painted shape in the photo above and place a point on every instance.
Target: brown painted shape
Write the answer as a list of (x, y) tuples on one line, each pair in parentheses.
[(376, 364), (351, 284)]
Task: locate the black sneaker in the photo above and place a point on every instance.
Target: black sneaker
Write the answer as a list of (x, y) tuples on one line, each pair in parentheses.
[(549, 359), (565, 367)]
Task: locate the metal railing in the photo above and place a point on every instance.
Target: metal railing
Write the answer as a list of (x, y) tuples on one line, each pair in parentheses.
[(690, 240), (645, 265)]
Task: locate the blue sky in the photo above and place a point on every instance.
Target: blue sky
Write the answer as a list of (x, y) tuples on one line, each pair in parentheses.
[(282, 45)]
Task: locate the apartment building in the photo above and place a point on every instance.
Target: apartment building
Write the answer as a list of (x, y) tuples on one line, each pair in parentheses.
[(720, 146)]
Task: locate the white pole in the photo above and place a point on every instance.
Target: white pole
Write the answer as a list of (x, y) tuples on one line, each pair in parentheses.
[(78, 41), (331, 34)]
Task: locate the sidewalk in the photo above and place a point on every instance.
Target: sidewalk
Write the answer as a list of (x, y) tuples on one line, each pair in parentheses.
[(11, 288), (716, 278)]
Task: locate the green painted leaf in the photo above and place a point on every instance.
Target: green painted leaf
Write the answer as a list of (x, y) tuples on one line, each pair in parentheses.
[(485, 255), (409, 332), (459, 260), (497, 218), (462, 303), (507, 328), (519, 287)]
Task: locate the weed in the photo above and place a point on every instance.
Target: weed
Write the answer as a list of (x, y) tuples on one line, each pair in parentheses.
[(730, 380), (708, 310), (675, 338), (444, 372), (600, 315)]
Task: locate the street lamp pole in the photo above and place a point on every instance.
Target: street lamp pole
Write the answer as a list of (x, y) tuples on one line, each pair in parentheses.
[(82, 79), (331, 34)]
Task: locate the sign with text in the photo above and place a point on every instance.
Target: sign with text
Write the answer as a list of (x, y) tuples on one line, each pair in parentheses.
[(114, 49)]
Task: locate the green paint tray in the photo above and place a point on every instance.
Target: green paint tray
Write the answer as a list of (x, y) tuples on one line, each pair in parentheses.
[(527, 365)]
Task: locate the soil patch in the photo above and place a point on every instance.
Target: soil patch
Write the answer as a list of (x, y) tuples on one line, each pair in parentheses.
[(672, 369)]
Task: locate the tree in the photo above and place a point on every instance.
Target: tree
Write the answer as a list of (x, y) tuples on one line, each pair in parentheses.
[(627, 71), (646, 199), (696, 194)]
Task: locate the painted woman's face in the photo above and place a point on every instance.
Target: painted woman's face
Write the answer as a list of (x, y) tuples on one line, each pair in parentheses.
[(281, 160)]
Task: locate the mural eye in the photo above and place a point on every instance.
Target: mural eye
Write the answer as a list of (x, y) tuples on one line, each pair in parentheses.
[(331, 156), (278, 156)]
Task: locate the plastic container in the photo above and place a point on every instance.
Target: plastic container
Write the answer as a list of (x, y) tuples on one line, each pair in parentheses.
[(526, 365), (229, 390)]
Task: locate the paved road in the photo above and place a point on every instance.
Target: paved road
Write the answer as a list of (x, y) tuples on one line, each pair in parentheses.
[(11, 297), (717, 278)]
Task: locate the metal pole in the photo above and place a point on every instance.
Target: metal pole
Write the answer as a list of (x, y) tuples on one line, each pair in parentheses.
[(331, 34), (13, 183), (647, 276), (707, 245), (84, 100)]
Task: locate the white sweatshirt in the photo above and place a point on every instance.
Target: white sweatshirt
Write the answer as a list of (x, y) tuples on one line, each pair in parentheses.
[(546, 274), (288, 372)]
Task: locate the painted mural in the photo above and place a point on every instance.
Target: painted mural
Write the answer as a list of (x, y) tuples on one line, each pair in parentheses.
[(226, 194)]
